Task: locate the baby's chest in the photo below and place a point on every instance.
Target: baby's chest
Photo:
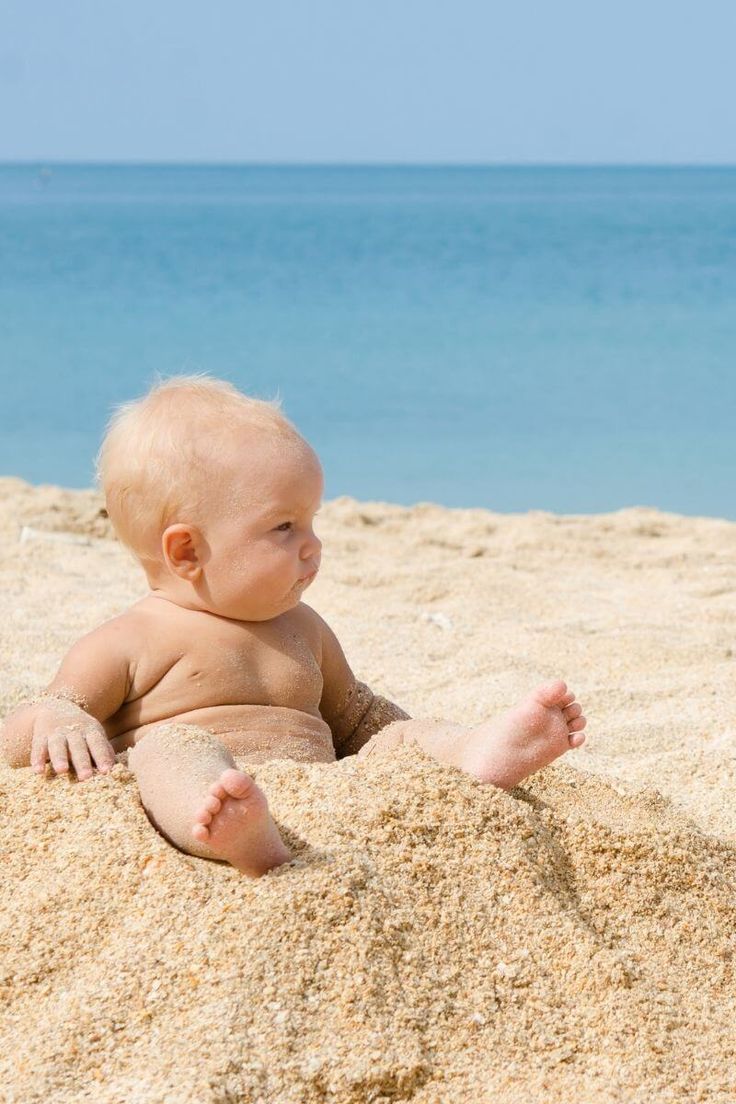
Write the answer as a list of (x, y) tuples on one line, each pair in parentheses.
[(243, 667)]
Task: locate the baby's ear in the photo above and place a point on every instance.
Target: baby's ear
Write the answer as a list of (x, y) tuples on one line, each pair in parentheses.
[(180, 547)]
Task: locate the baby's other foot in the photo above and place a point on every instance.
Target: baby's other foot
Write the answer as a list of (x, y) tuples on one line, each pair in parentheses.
[(546, 725), (235, 823)]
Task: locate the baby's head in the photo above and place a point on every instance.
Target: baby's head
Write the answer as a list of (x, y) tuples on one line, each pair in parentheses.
[(193, 475)]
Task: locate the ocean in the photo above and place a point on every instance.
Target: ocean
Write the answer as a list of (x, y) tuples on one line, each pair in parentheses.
[(545, 338)]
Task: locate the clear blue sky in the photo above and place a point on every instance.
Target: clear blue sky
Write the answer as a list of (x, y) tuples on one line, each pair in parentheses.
[(375, 80)]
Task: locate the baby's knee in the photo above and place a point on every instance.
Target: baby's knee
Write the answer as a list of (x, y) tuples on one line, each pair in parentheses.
[(389, 738), (166, 741)]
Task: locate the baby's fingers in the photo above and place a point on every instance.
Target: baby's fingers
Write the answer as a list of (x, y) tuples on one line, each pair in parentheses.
[(39, 752), (101, 750), (58, 752), (80, 756)]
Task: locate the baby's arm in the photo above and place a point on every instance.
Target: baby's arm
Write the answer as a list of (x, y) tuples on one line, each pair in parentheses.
[(351, 709), (66, 722)]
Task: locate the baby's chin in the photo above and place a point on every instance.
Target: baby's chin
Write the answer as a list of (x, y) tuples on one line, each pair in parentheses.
[(301, 584), (290, 600)]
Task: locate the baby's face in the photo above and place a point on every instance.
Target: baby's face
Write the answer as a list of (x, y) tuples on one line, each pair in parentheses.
[(263, 552)]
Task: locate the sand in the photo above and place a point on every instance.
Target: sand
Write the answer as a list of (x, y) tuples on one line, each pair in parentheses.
[(435, 940)]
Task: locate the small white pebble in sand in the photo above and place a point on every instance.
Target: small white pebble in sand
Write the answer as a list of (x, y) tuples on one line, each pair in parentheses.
[(478, 1018), (504, 969), (441, 620)]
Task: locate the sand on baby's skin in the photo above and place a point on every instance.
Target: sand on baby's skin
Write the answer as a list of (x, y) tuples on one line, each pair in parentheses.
[(435, 940)]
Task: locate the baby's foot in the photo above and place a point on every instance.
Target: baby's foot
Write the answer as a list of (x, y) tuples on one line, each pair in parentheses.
[(525, 739), (235, 823)]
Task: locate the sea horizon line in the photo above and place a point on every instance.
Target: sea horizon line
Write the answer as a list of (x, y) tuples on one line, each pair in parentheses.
[(40, 162)]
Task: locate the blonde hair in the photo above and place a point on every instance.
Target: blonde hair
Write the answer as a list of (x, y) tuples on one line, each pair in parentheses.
[(161, 453)]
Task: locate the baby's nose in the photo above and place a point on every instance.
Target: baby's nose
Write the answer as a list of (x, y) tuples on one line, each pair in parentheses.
[(312, 546)]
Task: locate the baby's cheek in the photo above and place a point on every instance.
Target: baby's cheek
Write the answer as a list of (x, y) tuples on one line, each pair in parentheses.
[(234, 574), (242, 562), (257, 570)]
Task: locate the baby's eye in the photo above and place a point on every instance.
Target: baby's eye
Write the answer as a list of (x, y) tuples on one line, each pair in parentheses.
[(284, 527)]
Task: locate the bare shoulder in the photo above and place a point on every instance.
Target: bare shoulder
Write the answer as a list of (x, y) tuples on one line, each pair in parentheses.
[(307, 617), (155, 634), (308, 623), (330, 656), (97, 670), (116, 645), (124, 633)]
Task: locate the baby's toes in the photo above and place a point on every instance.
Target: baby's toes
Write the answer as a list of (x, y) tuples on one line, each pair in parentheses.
[(237, 784), (212, 803), (209, 808), (201, 832), (576, 739), (576, 736), (572, 711), (552, 694)]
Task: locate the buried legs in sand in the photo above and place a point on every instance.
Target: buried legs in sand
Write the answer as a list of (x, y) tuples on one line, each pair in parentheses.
[(503, 751), (193, 792)]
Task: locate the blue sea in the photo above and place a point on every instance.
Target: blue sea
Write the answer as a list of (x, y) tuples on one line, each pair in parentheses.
[(516, 338)]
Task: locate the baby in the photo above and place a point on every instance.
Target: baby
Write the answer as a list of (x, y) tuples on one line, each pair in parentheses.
[(222, 663)]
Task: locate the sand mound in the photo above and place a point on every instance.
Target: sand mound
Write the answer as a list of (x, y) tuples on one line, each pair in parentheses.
[(436, 940), (52, 509)]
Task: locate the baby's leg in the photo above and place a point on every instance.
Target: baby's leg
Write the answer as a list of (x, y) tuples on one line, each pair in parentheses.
[(503, 751), (196, 797)]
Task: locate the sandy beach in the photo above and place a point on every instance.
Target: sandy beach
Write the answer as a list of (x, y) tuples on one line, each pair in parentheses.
[(436, 940)]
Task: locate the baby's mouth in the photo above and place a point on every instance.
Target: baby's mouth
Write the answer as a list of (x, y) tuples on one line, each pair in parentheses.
[(306, 579)]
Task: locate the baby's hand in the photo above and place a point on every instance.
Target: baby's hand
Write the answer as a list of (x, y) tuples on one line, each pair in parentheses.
[(61, 733)]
